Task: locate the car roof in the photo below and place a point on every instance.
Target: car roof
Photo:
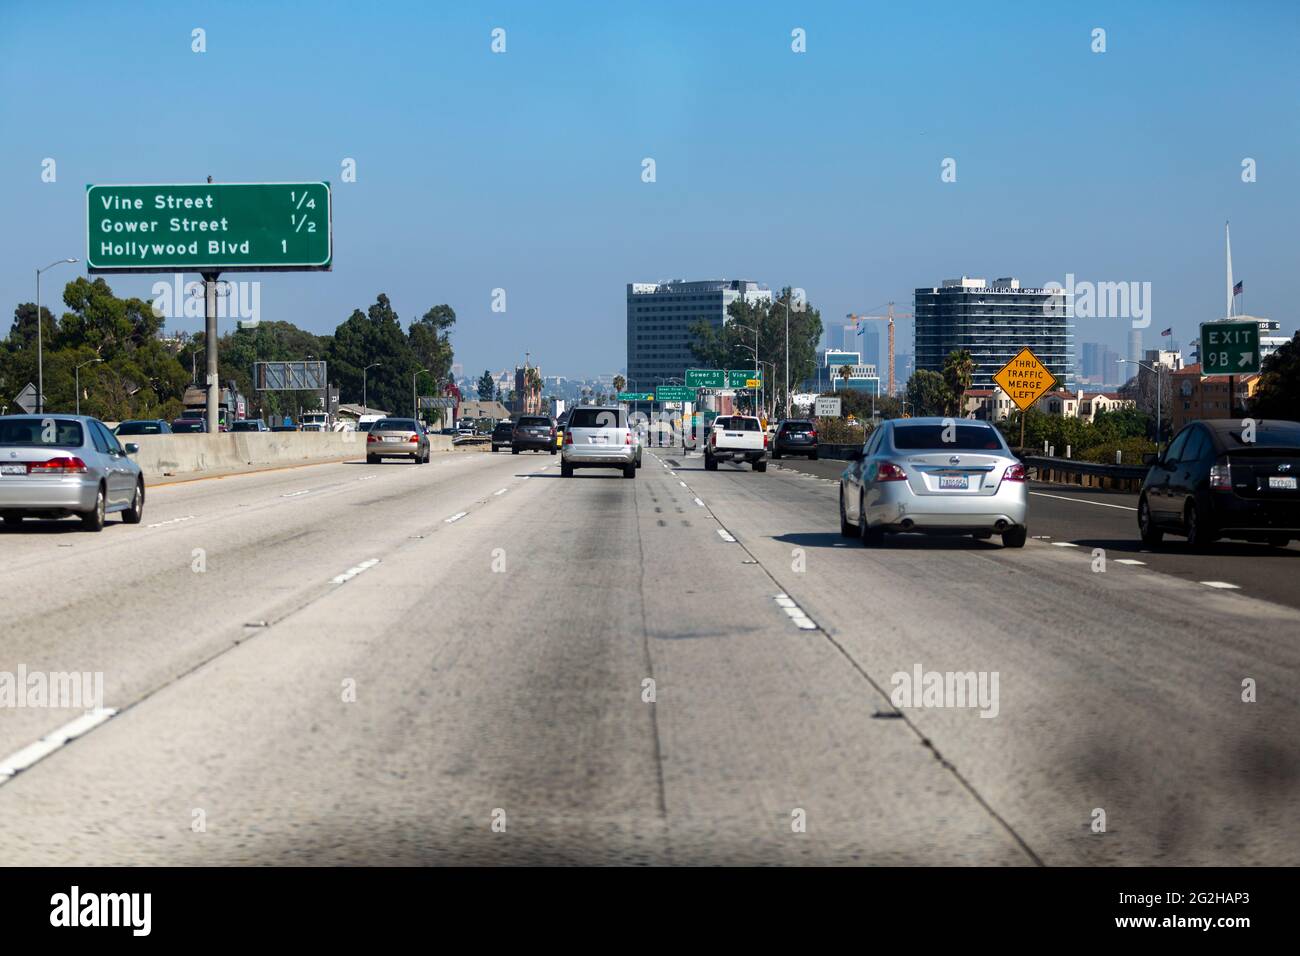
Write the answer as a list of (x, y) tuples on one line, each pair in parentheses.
[(938, 420), (38, 417)]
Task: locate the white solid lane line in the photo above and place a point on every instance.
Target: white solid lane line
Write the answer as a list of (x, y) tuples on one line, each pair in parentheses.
[(351, 573), (699, 502), (456, 517), (1224, 585), (500, 491), (1133, 561), (32, 753), (1083, 501)]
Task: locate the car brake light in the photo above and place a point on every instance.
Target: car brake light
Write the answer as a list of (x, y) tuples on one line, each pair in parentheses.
[(57, 466), (627, 440), (1221, 477), (888, 471), (764, 439), (813, 434), (568, 437), (370, 436), (415, 438), (1014, 472)]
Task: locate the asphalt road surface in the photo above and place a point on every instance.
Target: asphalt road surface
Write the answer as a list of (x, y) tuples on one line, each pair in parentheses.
[(477, 661)]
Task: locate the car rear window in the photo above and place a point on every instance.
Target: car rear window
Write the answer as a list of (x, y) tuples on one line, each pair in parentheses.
[(535, 420), (187, 425), (597, 418), (738, 423), (395, 425), (1267, 435), (797, 426), (139, 428), (964, 437), (30, 432)]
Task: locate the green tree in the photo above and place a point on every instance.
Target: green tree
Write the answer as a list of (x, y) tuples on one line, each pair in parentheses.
[(487, 386), (366, 338), (958, 369), (927, 393), (620, 384), (1278, 395)]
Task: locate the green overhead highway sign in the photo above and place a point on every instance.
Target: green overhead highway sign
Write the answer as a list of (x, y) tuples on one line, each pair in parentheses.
[(1229, 348), (635, 397), (742, 378), (718, 378), (209, 227), (675, 393)]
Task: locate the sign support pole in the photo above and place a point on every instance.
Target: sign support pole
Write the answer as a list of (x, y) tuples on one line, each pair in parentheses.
[(210, 347), (1022, 431)]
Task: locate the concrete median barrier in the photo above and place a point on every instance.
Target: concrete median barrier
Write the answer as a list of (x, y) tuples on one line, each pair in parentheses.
[(164, 455)]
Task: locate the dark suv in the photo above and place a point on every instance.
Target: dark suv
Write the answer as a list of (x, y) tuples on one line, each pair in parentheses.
[(533, 433), (1218, 480), (502, 435), (795, 436)]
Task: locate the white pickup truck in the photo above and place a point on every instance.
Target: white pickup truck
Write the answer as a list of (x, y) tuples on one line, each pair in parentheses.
[(736, 438)]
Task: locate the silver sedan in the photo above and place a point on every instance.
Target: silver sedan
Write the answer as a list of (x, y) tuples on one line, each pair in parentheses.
[(934, 476), (397, 438), (56, 466)]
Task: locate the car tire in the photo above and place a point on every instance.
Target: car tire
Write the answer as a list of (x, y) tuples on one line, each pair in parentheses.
[(710, 464), (871, 537), (847, 530), (495, 449), (1147, 530), (760, 466), (629, 471), (552, 451), (1195, 527), (813, 456), (133, 514), (1278, 541), (1015, 537), (94, 520), (13, 522), (775, 454), (513, 450), (371, 460), (566, 470)]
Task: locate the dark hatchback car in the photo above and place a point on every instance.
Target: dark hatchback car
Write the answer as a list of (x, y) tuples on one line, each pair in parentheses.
[(182, 426), (502, 435), (795, 437), (1218, 480), (533, 433), (250, 425), (143, 426)]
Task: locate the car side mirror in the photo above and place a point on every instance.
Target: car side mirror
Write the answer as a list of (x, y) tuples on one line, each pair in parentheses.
[(132, 448)]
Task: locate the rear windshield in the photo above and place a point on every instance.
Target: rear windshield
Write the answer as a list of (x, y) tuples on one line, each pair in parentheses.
[(504, 426), (739, 423), (597, 418), (35, 431), (187, 425), (535, 420), (244, 427), (395, 425), (365, 426), (931, 437), (139, 428), (797, 426), (1267, 435)]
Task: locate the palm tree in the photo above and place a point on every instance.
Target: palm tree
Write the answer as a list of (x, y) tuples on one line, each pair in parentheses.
[(532, 389), (620, 383), (958, 370), (845, 372)]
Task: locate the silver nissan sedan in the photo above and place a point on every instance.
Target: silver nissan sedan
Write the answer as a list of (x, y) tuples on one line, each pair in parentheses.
[(934, 476), (55, 466)]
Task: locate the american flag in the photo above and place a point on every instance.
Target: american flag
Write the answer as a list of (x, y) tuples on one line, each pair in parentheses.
[(1168, 331), (1236, 289)]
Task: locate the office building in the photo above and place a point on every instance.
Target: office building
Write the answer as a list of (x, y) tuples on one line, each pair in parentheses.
[(994, 322), (659, 320)]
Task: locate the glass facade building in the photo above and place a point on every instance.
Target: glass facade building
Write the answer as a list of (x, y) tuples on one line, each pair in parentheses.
[(994, 322)]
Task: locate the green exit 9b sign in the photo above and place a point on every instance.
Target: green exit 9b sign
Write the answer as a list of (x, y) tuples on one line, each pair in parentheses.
[(1229, 348), (210, 227)]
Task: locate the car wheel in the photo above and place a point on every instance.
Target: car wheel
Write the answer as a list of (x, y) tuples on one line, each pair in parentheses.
[(514, 451), (1278, 541), (871, 537), (371, 460), (552, 451), (629, 471), (495, 449), (710, 464), (813, 456), (1151, 535), (760, 466), (566, 470), (847, 530), (133, 514), (94, 520), (776, 454), (1015, 537), (1195, 527), (13, 521)]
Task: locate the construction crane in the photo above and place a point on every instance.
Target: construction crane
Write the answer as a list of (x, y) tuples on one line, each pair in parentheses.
[(889, 387)]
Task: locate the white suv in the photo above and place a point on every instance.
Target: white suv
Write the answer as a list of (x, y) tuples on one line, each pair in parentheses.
[(598, 437)]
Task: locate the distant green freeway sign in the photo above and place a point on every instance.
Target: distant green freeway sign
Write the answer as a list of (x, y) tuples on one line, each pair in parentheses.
[(1229, 348), (636, 397), (210, 227), (675, 393), (718, 378)]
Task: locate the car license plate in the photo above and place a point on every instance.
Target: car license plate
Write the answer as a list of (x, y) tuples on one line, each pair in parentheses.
[(600, 439), (393, 438), (954, 482), (13, 469), (1287, 483)]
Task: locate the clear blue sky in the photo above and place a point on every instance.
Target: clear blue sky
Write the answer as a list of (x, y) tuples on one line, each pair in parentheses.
[(820, 170)]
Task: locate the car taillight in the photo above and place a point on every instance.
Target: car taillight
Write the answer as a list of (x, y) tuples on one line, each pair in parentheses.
[(813, 434), (764, 439), (628, 439), (888, 471), (1014, 472), (370, 436), (58, 466), (415, 438), (568, 438), (1221, 477)]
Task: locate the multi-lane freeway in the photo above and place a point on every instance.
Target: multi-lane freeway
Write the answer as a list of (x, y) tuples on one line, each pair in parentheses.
[(480, 661)]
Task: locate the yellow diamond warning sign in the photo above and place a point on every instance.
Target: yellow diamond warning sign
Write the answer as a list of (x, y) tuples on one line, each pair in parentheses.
[(1025, 379)]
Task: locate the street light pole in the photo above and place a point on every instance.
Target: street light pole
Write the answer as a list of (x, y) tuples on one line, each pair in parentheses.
[(787, 354), (1156, 372), (365, 400), (40, 345), (415, 407), (77, 377)]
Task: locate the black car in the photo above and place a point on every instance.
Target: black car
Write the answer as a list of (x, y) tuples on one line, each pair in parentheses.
[(143, 426), (1220, 480), (502, 435), (533, 433), (795, 436)]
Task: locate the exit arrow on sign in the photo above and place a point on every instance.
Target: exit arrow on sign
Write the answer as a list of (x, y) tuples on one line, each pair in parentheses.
[(1246, 359)]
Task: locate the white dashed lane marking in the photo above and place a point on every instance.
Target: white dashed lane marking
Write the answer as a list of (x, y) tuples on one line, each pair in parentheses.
[(351, 573), (22, 759), (726, 535)]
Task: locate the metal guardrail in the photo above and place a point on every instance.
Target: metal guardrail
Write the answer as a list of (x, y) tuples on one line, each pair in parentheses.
[(1087, 474)]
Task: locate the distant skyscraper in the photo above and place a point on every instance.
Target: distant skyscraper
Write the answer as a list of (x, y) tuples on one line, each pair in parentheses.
[(1134, 350), (869, 346)]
